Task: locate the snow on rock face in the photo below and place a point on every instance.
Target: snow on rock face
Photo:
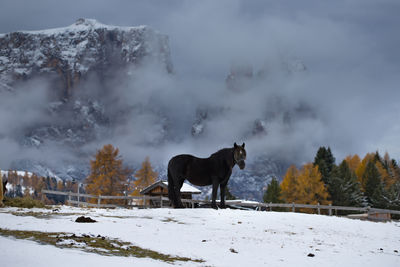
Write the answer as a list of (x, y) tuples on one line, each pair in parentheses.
[(71, 52)]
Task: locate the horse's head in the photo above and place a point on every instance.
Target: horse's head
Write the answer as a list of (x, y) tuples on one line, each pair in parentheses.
[(239, 155)]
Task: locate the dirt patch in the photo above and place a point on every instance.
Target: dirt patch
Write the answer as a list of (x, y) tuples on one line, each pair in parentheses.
[(169, 219), (94, 244)]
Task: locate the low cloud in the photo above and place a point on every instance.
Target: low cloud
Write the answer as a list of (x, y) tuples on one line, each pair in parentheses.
[(346, 97)]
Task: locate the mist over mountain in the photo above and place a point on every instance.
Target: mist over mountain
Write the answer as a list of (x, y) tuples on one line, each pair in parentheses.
[(68, 91), (283, 79)]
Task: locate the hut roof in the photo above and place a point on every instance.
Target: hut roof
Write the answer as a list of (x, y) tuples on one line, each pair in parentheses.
[(186, 188)]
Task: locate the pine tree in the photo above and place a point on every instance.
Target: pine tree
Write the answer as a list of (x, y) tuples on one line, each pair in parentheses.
[(325, 161), (392, 197), (107, 175), (386, 179), (372, 181), (273, 192), (377, 157), (344, 188), (145, 176), (386, 161), (18, 191), (289, 183)]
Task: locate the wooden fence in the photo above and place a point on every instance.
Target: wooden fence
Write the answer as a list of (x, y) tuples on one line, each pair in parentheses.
[(160, 201)]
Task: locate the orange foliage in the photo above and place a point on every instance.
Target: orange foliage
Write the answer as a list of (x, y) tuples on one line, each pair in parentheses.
[(361, 168), (310, 189), (353, 162), (289, 183), (107, 176), (145, 177)]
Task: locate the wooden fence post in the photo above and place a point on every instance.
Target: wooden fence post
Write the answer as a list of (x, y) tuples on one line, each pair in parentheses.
[(330, 209), (69, 197), (293, 207), (319, 210), (98, 201), (78, 194), (270, 206), (161, 201)]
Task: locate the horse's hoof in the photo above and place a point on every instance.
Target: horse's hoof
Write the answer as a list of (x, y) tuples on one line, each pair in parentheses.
[(214, 207), (222, 207)]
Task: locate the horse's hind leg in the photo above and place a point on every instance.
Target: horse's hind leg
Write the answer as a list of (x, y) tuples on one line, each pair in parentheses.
[(177, 189), (214, 194)]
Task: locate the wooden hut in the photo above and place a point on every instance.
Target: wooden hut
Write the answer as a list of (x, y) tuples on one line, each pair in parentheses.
[(160, 188)]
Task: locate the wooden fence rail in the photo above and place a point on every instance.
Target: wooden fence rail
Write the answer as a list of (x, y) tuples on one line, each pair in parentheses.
[(193, 202)]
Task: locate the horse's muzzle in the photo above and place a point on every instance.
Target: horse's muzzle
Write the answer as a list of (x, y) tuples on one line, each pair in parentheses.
[(241, 164)]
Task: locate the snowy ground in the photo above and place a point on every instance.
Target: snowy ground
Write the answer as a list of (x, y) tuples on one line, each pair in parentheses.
[(220, 238)]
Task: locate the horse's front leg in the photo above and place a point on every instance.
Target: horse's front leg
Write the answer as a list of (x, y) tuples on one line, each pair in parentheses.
[(214, 194), (222, 189)]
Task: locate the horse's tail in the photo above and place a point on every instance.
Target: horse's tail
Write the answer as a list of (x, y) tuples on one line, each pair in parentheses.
[(171, 187)]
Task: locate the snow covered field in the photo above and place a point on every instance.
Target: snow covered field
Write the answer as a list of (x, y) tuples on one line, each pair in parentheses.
[(219, 238)]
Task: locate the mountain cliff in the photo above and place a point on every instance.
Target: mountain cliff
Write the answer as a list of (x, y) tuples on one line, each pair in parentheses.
[(69, 59), (68, 55)]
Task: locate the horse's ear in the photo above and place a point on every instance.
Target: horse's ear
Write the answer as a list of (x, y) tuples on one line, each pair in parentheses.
[(235, 145), (243, 145)]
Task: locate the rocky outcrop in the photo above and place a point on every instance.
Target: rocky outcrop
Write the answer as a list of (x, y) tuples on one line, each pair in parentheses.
[(70, 54)]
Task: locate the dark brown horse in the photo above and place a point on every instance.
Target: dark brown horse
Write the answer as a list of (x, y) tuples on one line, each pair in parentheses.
[(214, 170)]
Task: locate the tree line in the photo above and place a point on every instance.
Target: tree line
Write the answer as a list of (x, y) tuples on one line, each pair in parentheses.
[(108, 176), (372, 181), (31, 186)]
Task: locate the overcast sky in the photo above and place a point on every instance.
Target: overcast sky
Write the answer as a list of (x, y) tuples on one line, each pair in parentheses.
[(350, 49)]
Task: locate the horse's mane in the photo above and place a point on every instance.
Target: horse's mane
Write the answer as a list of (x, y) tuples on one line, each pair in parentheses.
[(221, 152)]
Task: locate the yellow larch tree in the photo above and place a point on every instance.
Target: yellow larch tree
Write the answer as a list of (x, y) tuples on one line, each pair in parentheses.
[(145, 177), (353, 161), (289, 183), (107, 176), (309, 188), (361, 168)]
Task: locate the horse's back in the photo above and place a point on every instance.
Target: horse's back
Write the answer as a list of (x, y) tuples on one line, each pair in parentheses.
[(196, 170), (180, 160)]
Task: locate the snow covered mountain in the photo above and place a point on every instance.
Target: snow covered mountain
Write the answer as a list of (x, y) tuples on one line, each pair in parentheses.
[(71, 53), (85, 65)]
